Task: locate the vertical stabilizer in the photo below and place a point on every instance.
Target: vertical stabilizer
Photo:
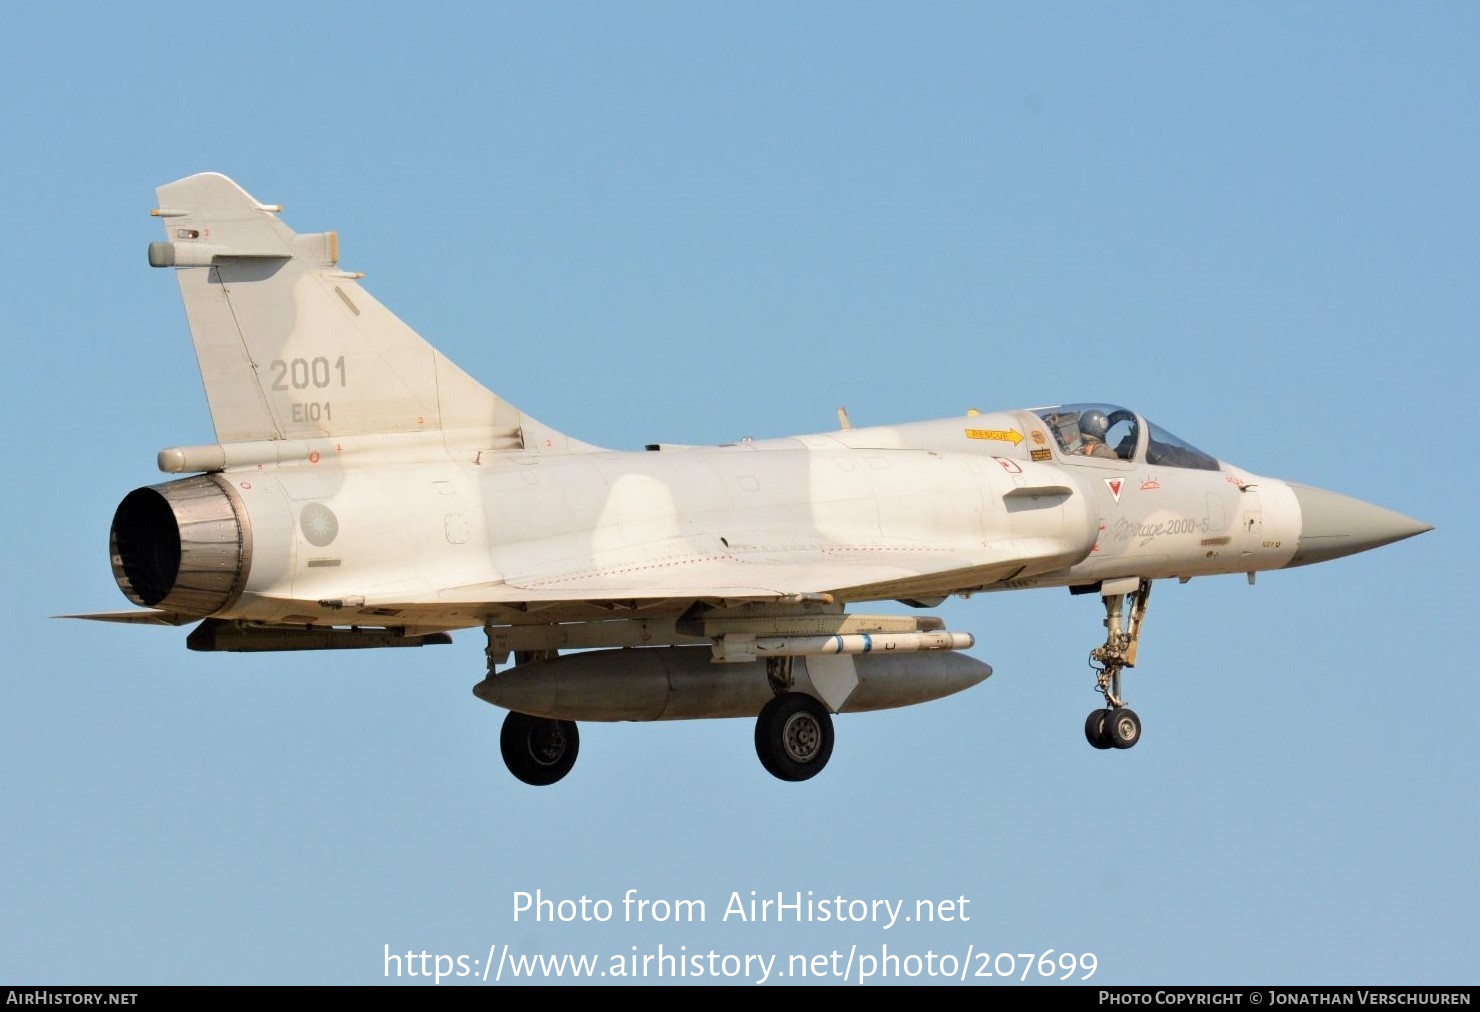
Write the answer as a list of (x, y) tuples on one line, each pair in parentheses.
[(291, 347)]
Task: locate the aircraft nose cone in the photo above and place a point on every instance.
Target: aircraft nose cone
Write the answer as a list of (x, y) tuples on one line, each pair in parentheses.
[(1333, 525)]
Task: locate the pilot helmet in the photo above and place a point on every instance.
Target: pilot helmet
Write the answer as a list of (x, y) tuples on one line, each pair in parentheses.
[(1094, 423)]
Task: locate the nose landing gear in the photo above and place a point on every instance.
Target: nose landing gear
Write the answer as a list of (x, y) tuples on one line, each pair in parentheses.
[(1117, 725)]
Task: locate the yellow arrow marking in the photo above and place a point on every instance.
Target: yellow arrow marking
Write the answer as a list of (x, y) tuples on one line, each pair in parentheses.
[(1012, 436)]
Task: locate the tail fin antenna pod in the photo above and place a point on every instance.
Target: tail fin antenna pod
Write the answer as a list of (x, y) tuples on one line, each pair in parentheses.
[(291, 347)]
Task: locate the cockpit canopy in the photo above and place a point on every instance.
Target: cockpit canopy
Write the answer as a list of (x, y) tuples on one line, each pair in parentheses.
[(1110, 432)]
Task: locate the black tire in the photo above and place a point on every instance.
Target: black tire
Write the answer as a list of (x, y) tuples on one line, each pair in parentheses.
[(538, 750), (1096, 728), (794, 737), (1123, 727)]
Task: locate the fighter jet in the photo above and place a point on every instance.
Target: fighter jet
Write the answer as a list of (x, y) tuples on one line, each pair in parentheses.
[(364, 491)]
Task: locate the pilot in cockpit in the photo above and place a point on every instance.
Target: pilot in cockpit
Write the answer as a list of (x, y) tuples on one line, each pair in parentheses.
[(1092, 427)]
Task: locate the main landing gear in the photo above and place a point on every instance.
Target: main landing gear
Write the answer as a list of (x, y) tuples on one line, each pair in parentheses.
[(794, 732), (1116, 725), (538, 750)]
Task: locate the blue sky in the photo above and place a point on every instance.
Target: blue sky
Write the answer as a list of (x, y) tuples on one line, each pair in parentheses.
[(1259, 225)]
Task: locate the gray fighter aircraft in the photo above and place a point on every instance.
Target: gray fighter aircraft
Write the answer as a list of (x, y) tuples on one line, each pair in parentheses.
[(365, 492)]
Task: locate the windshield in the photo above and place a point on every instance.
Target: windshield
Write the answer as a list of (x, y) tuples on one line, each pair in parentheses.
[(1110, 432), (1164, 448)]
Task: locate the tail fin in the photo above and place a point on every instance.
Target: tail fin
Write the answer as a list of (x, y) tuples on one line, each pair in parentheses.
[(291, 347)]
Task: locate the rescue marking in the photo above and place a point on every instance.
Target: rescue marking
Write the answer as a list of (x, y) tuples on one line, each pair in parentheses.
[(1012, 436)]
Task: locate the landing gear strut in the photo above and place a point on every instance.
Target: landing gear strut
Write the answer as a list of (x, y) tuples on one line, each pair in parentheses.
[(794, 732), (1116, 725)]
